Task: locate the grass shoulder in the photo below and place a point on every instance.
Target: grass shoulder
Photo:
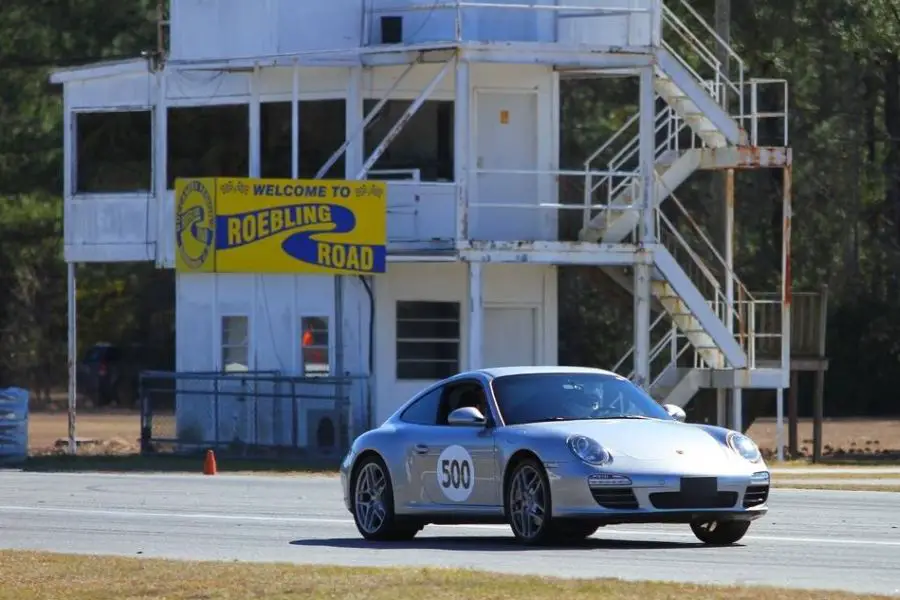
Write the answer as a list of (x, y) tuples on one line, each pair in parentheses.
[(32, 575)]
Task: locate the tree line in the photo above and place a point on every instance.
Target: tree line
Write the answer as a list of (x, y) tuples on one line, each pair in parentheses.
[(842, 61)]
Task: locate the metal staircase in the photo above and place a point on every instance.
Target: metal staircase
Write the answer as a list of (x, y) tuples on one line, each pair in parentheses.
[(699, 333)]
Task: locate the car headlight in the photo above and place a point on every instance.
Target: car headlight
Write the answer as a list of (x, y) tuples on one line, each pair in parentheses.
[(744, 446), (588, 450)]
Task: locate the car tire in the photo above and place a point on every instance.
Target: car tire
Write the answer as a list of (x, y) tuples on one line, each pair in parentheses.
[(528, 504), (720, 533), (372, 498)]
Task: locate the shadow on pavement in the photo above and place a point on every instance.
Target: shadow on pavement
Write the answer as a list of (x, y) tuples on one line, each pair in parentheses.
[(488, 544)]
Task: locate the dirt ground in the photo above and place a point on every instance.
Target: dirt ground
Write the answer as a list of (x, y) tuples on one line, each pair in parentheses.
[(854, 437), (120, 431), (112, 431)]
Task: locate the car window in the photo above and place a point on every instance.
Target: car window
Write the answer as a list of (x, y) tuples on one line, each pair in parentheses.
[(460, 394), (537, 397), (424, 410)]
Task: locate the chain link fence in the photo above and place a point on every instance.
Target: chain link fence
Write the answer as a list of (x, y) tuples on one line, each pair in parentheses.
[(252, 414)]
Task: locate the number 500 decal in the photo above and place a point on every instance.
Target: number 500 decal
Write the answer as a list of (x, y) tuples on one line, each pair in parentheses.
[(456, 473)]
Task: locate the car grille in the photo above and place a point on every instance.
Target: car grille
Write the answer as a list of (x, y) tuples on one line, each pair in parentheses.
[(621, 498), (683, 501), (756, 495)]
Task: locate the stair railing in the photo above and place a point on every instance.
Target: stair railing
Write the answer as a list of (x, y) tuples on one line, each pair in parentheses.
[(671, 342), (742, 309), (706, 56), (620, 172)]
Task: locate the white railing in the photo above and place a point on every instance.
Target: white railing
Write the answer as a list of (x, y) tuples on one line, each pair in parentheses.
[(755, 115), (704, 58), (670, 348), (743, 312), (372, 9), (414, 175), (498, 192), (622, 172)]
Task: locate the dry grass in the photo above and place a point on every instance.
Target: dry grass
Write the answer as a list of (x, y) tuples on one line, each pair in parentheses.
[(842, 438), (888, 478), (854, 487), (32, 576)]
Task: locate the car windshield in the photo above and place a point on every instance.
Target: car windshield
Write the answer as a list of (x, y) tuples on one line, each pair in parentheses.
[(537, 397)]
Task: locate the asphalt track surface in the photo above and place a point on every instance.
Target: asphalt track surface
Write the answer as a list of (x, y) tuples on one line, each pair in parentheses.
[(810, 539)]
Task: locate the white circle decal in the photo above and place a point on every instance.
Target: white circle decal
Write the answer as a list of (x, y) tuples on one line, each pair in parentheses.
[(456, 473)]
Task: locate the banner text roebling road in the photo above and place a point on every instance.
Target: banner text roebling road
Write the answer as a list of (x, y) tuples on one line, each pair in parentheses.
[(234, 225)]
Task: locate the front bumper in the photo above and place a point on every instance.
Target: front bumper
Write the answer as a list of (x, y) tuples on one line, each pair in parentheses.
[(582, 491)]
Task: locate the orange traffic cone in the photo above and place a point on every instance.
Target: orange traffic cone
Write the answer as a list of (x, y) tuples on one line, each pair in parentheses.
[(209, 465)]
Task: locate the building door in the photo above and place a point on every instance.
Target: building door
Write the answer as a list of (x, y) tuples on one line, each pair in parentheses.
[(510, 337), (506, 132)]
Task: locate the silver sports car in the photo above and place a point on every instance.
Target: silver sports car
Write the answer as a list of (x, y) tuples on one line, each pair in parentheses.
[(555, 452)]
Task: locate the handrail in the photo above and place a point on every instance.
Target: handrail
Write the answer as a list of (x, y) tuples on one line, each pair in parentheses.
[(729, 271), (710, 30), (706, 55), (631, 350), (559, 11), (708, 274), (613, 138)]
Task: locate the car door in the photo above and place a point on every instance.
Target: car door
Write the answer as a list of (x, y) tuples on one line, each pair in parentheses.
[(457, 463)]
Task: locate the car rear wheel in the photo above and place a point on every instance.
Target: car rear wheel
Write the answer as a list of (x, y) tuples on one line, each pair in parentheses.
[(720, 533), (373, 504), (528, 503)]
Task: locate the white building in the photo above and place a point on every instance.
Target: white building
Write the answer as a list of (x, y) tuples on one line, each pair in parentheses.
[(474, 196)]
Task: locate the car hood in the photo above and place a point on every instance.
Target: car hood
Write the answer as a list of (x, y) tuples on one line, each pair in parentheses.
[(642, 439)]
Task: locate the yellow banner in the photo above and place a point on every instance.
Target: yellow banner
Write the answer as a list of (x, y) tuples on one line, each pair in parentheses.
[(243, 225)]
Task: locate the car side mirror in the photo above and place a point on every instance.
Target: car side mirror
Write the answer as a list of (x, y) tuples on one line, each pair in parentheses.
[(466, 416), (676, 412)]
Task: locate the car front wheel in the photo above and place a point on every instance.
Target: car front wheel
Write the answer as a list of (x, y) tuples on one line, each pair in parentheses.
[(373, 504), (720, 533), (528, 503)]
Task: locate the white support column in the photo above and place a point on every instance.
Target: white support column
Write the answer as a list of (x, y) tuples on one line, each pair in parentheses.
[(646, 229), (737, 407), (642, 323), (721, 407), (295, 123), (73, 353), (786, 283), (160, 163), (779, 424), (356, 122), (647, 148), (254, 128), (476, 316), (461, 138), (70, 159)]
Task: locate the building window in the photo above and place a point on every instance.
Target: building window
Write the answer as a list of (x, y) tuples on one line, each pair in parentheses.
[(113, 152), (314, 344), (208, 141), (424, 144), (427, 339), (322, 127), (235, 343)]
